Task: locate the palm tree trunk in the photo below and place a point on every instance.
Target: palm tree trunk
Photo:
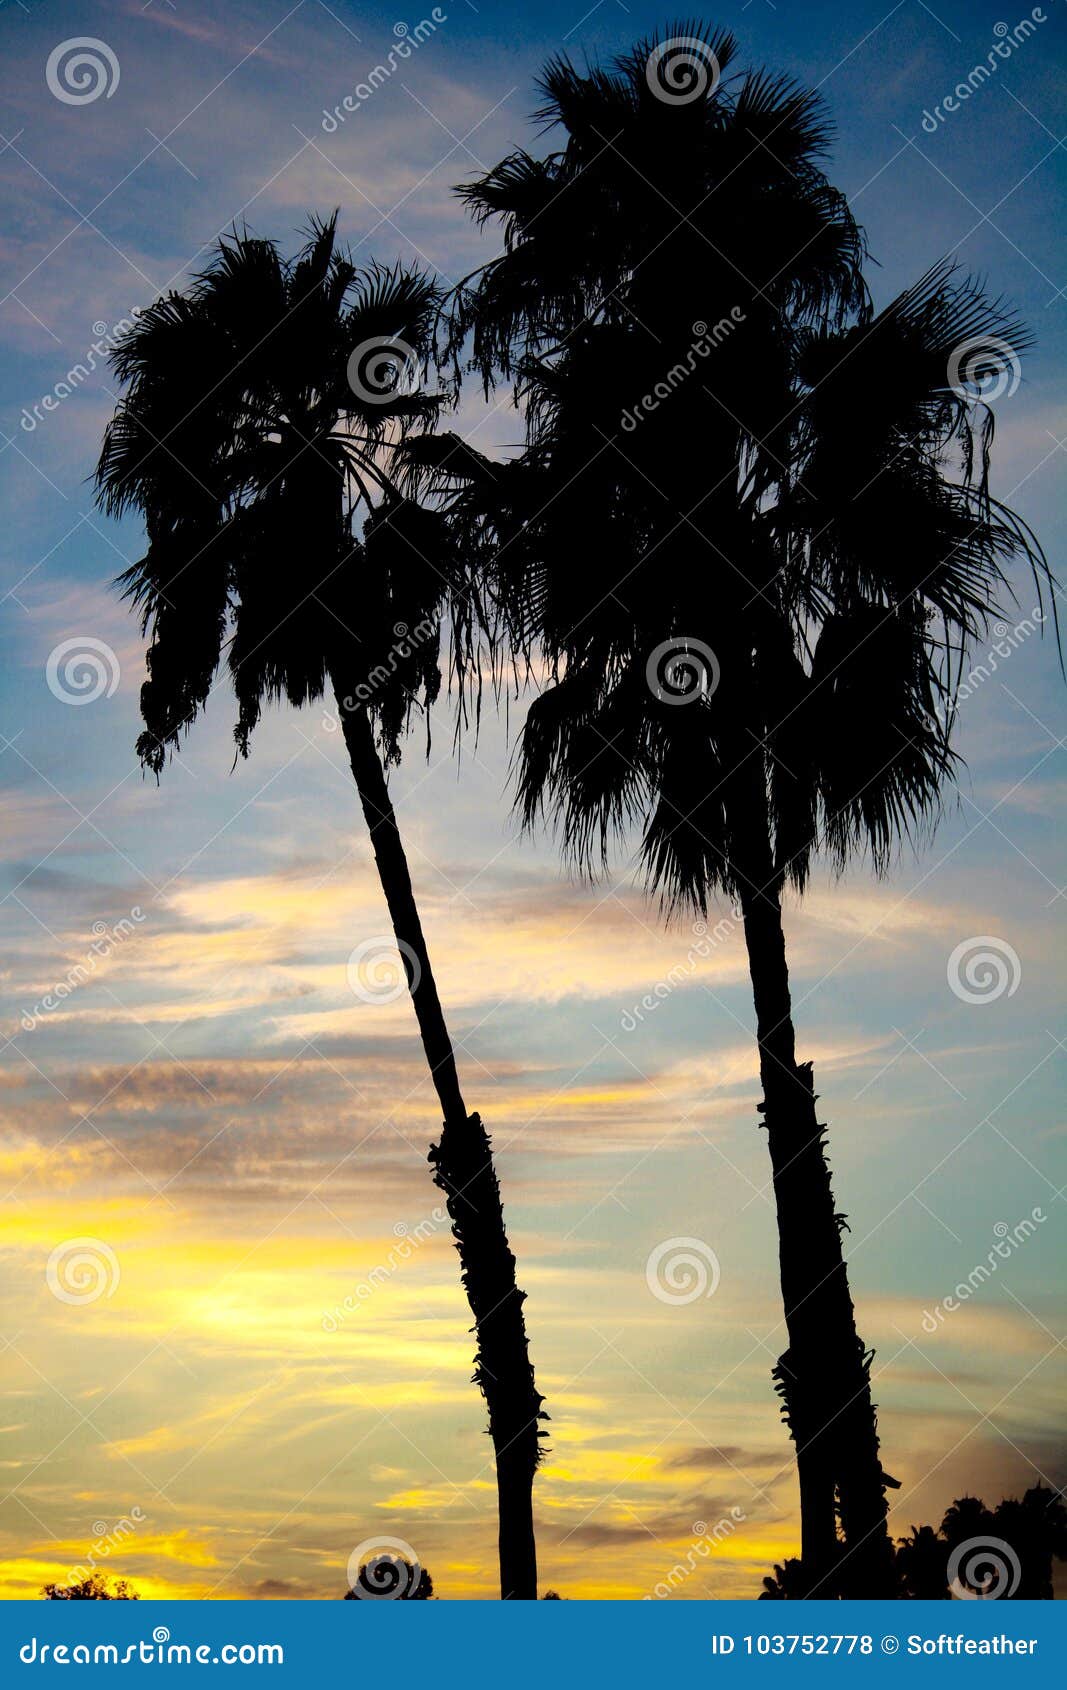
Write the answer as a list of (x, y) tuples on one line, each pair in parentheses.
[(824, 1375), (463, 1169)]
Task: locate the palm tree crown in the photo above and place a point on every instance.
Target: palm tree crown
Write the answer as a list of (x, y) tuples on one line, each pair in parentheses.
[(820, 627), (258, 412), (807, 495)]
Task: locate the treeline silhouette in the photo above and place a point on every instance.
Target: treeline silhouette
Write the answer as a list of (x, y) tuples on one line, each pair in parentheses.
[(1005, 1552), (96, 1588)]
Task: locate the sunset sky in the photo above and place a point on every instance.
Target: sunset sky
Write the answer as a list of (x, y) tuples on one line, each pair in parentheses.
[(246, 1138)]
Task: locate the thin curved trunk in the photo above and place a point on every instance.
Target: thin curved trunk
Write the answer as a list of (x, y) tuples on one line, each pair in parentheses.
[(824, 1375), (463, 1169)]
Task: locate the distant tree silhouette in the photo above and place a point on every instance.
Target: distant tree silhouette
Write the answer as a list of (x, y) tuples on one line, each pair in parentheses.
[(922, 1562), (1035, 1527), (967, 1517), (259, 412), (391, 1576), (1034, 1531), (742, 493), (787, 1583), (96, 1588)]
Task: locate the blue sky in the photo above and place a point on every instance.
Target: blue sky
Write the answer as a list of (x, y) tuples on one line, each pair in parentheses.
[(213, 1104)]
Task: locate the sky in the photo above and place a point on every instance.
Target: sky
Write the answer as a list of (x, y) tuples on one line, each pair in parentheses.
[(261, 1359)]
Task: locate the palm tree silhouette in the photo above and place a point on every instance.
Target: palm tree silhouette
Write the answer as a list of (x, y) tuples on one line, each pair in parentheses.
[(733, 498), (1036, 1526), (922, 1561), (1005, 1551), (259, 411)]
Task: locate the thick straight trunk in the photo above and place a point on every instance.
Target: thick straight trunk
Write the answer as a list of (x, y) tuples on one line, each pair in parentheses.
[(463, 1164), (824, 1375)]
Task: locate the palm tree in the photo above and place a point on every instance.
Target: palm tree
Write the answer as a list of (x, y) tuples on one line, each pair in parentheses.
[(1006, 1551), (758, 522), (259, 411), (1036, 1527), (922, 1561)]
